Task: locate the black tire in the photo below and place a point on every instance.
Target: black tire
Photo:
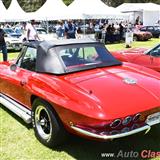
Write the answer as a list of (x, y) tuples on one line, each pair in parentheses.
[(47, 126)]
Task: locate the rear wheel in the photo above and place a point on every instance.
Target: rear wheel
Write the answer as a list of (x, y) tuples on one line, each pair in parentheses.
[(47, 126)]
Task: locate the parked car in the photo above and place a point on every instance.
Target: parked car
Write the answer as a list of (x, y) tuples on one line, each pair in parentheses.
[(142, 56), (43, 35), (155, 30), (51, 28), (141, 36), (78, 87), (12, 33), (13, 39)]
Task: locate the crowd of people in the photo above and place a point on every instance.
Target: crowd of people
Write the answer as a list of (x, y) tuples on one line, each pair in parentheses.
[(71, 29), (29, 31), (103, 29)]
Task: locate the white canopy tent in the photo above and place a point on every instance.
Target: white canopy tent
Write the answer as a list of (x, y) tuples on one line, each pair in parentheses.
[(2, 11), (15, 13), (149, 13), (127, 7), (57, 10), (92, 9), (51, 10)]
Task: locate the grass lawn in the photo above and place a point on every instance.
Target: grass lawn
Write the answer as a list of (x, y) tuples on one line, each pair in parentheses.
[(145, 44), (17, 140)]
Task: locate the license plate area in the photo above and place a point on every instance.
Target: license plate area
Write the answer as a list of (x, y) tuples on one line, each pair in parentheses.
[(16, 46), (153, 119)]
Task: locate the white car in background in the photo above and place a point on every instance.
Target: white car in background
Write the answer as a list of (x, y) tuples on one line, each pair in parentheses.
[(43, 35), (13, 40)]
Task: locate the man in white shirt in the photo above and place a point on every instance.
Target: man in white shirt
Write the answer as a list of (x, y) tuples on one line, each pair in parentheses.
[(31, 32)]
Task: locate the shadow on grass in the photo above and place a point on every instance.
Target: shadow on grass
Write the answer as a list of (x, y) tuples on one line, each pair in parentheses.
[(126, 148), (18, 119), (13, 51)]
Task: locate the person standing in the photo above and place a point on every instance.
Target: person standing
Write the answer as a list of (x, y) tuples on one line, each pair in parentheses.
[(108, 34), (70, 30), (32, 34), (121, 29), (3, 46), (60, 30)]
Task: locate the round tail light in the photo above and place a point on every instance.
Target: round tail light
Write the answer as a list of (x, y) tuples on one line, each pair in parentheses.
[(136, 117), (115, 123), (127, 120)]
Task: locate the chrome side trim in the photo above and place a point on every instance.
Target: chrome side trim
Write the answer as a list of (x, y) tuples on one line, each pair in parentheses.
[(15, 107), (107, 137)]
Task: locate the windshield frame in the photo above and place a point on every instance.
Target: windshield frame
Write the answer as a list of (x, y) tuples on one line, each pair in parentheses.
[(157, 28), (148, 52), (9, 30)]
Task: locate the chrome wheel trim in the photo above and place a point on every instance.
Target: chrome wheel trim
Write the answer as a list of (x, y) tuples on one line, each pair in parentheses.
[(43, 122)]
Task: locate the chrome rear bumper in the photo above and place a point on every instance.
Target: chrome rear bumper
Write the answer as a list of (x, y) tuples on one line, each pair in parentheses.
[(145, 128)]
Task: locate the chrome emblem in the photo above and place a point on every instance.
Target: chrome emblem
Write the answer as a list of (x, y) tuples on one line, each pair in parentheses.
[(130, 81)]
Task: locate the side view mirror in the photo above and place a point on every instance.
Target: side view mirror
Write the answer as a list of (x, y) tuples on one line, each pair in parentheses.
[(13, 67), (5, 35)]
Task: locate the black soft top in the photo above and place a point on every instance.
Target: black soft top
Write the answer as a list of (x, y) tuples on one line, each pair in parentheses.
[(46, 45), (44, 57)]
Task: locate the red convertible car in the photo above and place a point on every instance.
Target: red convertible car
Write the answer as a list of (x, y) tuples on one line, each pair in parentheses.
[(78, 87), (141, 56)]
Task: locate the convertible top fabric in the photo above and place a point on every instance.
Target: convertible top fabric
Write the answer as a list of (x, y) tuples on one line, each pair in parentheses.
[(44, 57), (48, 62), (49, 44)]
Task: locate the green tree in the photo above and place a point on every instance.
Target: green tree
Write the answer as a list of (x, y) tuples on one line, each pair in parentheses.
[(68, 2), (6, 3), (33, 5)]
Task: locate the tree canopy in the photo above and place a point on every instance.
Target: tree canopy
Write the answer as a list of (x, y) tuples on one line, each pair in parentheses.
[(33, 5)]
